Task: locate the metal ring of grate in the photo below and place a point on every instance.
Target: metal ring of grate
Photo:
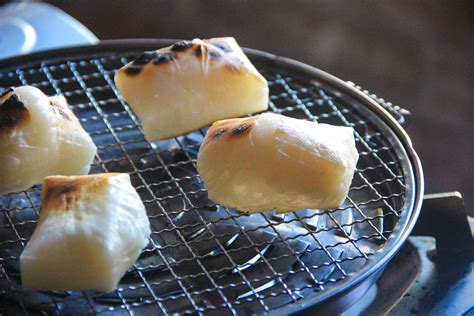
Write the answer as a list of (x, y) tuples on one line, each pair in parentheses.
[(202, 257)]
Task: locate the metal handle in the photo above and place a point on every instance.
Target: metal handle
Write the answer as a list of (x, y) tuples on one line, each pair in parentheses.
[(444, 217), (402, 115)]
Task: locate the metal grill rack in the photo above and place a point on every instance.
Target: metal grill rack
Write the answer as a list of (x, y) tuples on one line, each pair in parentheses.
[(204, 258)]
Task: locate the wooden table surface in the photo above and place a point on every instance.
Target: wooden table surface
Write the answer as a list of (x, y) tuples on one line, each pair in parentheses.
[(418, 54)]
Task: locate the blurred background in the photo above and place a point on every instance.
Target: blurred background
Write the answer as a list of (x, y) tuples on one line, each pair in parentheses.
[(417, 54)]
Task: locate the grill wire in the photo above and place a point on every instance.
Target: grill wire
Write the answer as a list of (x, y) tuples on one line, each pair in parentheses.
[(204, 258)]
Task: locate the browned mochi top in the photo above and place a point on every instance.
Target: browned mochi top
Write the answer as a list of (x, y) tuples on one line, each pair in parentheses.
[(62, 194), (215, 50), (181, 46), (155, 57), (13, 112), (228, 130)]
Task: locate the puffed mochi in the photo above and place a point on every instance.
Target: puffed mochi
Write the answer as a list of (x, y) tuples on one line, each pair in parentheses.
[(90, 231), (39, 137), (191, 84), (270, 161)]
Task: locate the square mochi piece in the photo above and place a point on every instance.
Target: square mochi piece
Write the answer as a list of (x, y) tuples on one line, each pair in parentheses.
[(90, 231), (39, 137), (191, 84), (271, 161)]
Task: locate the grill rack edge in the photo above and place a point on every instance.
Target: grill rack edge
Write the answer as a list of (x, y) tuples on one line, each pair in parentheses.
[(84, 84)]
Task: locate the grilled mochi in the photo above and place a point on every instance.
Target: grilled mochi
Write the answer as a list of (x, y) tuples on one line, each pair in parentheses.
[(191, 84), (39, 136), (270, 161), (90, 231)]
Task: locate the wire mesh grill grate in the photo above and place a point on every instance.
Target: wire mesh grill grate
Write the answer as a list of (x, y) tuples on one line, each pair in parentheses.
[(204, 258)]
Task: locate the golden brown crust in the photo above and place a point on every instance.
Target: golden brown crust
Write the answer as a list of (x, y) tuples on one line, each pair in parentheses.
[(61, 193), (13, 112), (228, 130)]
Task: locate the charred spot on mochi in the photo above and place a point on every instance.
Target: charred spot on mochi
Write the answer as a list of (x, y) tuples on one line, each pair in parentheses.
[(59, 109), (214, 54), (137, 65), (230, 129), (61, 193), (145, 58), (197, 51), (133, 69), (55, 186), (13, 112), (162, 58), (242, 129), (223, 46), (219, 132), (181, 46), (5, 92)]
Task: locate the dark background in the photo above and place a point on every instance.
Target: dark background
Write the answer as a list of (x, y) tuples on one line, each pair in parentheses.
[(417, 54)]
